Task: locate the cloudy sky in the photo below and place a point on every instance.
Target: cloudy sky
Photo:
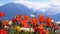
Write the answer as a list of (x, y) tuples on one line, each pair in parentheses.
[(35, 4), (38, 3)]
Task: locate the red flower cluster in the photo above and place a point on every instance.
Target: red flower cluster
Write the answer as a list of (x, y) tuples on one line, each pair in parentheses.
[(38, 23)]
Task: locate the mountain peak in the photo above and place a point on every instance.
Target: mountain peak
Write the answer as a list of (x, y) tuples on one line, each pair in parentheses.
[(12, 9)]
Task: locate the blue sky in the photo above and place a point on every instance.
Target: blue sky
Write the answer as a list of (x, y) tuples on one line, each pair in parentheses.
[(6, 1)]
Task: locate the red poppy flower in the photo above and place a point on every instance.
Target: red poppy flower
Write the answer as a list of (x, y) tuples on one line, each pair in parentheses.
[(41, 30), (2, 14), (35, 28), (24, 23), (31, 21), (4, 23), (18, 17), (41, 25), (49, 24), (53, 24), (3, 31), (13, 19), (48, 19), (26, 17), (41, 18), (34, 21)]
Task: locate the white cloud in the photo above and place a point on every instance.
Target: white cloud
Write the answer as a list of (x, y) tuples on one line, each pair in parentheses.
[(0, 4), (39, 5), (34, 5), (53, 6)]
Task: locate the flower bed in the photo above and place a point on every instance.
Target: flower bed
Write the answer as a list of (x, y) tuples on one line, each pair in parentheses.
[(23, 24)]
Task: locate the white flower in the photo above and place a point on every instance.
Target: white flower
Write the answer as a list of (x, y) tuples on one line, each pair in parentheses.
[(27, 29), (32, 30), (10, 22), (6, 27)]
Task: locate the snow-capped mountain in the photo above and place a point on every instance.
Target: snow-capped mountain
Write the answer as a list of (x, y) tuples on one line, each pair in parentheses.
[(53, 12), (12, 9)]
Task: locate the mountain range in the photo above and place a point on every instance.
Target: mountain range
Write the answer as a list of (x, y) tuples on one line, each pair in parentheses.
[(12, 9)]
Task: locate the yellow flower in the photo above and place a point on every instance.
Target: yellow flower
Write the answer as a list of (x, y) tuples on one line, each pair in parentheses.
[(18, 28)]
